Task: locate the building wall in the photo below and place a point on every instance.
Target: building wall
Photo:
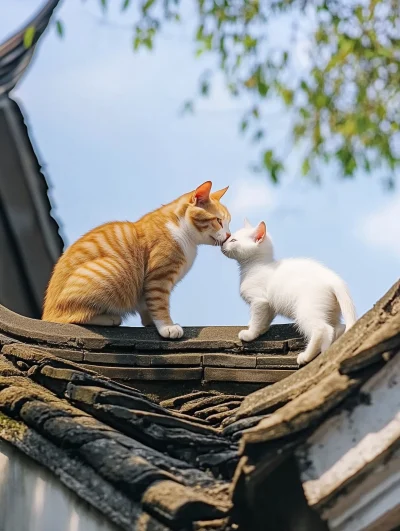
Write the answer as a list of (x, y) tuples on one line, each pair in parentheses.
[(32, 499)]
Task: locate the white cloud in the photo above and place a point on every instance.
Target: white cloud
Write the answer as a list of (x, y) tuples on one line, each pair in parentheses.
[(252, 196), (381, 229)]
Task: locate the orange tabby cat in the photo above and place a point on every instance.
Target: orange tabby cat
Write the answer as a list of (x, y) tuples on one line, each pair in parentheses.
[(123, 267)]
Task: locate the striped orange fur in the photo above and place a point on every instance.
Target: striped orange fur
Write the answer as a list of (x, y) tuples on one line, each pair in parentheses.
[(121, 268)]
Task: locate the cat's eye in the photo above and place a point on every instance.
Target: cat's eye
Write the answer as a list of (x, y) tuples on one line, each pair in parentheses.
[(220, 222), (233, 240)]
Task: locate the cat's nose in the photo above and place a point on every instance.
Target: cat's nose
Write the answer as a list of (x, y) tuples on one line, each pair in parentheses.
[(228, 235)]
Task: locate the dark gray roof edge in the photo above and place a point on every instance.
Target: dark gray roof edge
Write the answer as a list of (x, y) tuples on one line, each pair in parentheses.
[(36, 181), (14, 57)]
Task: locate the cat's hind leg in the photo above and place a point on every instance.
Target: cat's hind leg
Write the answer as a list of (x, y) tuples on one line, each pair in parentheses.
[(339, 330), (321, 337), (103, 320), (144, 313)]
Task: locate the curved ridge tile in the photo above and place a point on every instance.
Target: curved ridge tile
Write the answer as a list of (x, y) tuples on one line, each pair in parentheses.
[(280, 338)]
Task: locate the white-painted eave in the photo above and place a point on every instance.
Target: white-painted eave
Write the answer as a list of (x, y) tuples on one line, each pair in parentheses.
[(349, 467)]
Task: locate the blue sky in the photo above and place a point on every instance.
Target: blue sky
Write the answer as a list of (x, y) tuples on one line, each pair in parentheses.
[(108, 131)]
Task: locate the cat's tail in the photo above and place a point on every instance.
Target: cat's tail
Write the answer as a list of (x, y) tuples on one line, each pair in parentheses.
[(346, 304)]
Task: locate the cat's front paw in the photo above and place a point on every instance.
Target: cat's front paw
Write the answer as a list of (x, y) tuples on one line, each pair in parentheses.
[(246, 335), (171, 332), (302, 359)]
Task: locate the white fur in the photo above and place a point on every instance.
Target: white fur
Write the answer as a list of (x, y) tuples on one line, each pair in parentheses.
[(174, 331), (224, 232), (186, 237), (298, 288)]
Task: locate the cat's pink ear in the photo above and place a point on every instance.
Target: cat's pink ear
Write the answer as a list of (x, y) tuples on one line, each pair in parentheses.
[(260, 232), (202, 193), (217, 195)]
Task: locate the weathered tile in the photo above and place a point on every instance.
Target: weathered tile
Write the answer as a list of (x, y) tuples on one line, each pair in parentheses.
[(180, 505), (245, 375), (276, 361), (228, 360), (136, 359), (145, 373), (64, 353)]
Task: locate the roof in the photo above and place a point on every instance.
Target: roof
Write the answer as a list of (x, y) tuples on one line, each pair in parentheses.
[(30, 242), (14, 56), (207, 457)]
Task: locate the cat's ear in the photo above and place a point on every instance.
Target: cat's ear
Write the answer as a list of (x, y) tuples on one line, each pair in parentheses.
[(247, 224), (202, 193), (217, 195), (260, 232)]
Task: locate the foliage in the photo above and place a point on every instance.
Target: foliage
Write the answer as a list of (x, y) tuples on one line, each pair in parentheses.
[(344, 106)]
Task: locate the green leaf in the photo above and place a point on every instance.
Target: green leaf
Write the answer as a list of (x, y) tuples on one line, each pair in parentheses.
[(244, 125), (205, 88), (258, 135), (125, 5), (305, 113), (29, 35), (104, 5), (60, 28), (268, 158), (299, 130), (137, 41), (147, 5), (250, 82), (232, 87), (263, 88), (305, 168), (287, 95), (188, 107), (274, 175), (304, 86), (199, 33), (208, 39), (148, 43), (249, 42)]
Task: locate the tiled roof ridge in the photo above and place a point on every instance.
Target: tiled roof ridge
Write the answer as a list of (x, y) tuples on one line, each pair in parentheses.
[(128, 353), (280, 338)]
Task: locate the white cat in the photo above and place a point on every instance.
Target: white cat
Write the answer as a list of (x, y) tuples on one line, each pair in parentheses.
[(298, 288)]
